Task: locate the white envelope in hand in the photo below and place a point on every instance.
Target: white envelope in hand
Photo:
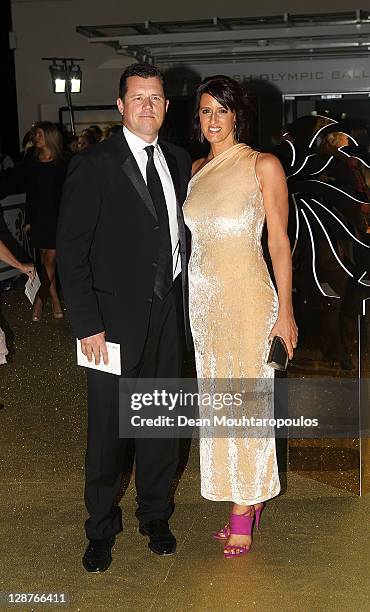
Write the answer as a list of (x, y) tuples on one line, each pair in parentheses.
[(31, 288), (114, 359)]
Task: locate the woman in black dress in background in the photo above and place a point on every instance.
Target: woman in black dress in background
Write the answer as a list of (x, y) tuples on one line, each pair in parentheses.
[(41, 176), (42, 204)]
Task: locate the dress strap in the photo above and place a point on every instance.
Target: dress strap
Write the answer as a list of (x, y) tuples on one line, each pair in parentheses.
[(255, 171)]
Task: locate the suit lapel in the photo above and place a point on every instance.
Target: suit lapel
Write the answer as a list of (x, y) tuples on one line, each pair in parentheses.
[(132, 171)]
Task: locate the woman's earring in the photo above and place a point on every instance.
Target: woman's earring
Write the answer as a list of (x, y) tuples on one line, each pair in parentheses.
[(201, 138)]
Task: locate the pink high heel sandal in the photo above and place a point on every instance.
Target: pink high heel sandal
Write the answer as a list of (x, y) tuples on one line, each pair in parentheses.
[(224, 533), (240, 524), (258, 513)]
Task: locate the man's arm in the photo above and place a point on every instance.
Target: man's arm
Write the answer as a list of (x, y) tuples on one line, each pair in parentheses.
[(79, 213)]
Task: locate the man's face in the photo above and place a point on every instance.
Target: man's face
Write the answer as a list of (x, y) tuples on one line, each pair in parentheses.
[(144, 106)]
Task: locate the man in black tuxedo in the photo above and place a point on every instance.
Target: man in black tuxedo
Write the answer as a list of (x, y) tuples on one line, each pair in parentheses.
[(122, 264)]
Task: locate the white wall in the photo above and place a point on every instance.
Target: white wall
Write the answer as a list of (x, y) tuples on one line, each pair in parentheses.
[(48, 28)]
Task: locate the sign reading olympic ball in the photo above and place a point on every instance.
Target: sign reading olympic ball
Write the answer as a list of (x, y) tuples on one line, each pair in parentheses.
[(295, 76)]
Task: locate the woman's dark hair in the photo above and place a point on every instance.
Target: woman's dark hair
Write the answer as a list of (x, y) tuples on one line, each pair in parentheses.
[(231, 96), (145, 71)]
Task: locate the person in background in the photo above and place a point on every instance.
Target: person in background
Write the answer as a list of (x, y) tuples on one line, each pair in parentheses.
[(7, 257), (27, 147), (25, 268), (41, 177), (107, 133), (95, 129), (343, 171), (86, 139), (115, 129), (72, 144)]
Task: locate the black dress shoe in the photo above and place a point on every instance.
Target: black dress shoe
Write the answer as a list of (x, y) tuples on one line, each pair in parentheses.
[(98, 556), (161, 540)]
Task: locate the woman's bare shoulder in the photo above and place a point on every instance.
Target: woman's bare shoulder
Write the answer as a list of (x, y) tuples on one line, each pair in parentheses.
[(196, 165), (268, 160), (269, 166)]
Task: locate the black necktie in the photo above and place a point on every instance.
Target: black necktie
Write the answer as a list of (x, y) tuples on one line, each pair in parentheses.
[(164, 276)]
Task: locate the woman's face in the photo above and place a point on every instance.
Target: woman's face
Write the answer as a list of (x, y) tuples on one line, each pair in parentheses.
[(337, 139), (73, 146), (216, 122), (39, 139), (343, 140), (83, 143)]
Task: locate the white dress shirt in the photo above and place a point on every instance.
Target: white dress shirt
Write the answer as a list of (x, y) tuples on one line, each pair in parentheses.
[(137, 146)]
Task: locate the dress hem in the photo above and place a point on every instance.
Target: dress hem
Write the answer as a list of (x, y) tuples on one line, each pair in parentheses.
[(257, 500)]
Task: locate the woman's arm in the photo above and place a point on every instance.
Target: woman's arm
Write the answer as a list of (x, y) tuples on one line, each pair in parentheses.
[(8, 257), (274, 189)]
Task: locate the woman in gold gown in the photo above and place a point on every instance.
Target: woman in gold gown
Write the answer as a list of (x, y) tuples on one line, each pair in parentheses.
[(234, 309)]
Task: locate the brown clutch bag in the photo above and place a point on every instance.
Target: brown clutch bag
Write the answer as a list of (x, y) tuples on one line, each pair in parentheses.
[(278, 354)]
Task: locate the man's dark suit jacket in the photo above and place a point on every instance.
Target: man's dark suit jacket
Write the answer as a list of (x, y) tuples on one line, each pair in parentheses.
[(107, 243)]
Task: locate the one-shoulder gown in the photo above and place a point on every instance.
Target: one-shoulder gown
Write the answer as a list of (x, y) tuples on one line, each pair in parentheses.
[(232, 307)]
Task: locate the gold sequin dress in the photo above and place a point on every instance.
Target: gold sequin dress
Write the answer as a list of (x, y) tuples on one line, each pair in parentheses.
[(232, 306)]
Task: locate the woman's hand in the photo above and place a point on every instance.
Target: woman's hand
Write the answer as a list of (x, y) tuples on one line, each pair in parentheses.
[(28, 269), (286, 328), (27, 227)]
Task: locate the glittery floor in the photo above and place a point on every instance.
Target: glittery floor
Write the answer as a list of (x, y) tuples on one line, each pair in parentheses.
[(311, 554)]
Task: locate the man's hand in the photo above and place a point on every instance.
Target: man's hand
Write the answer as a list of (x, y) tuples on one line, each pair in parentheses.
[(95, 345)]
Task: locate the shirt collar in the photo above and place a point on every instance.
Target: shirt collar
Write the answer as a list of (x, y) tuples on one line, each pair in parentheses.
[(135, 142)]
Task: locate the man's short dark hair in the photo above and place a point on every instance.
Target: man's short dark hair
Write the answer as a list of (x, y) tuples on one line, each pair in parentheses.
[(145, 71)]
